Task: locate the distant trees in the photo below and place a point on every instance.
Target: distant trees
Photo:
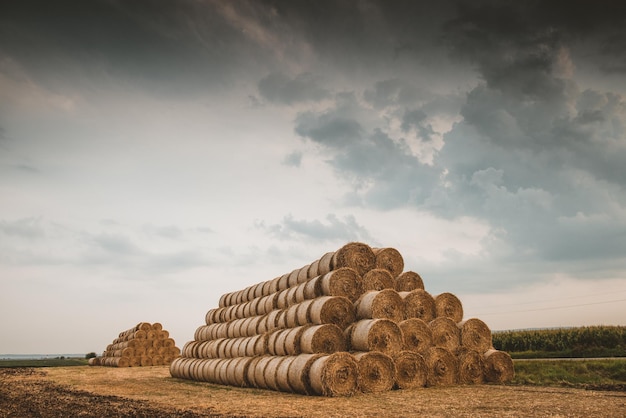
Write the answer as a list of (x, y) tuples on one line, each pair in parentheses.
[(90, 355)]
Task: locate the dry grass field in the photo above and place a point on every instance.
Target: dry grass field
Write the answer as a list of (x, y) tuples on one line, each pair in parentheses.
[(151, 391)]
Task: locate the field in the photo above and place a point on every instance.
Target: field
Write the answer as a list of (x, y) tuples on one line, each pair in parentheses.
[(151, 391)]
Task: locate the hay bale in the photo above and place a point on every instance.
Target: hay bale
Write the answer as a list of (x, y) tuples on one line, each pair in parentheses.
[(378, 279), (417, 335), (442, 367), (251, 372), (475, 335), (420, 304), (343, 281), (385, 304), (389, 259), (334, 375), (258, 379), (355, 255), (381, 335), (325, 263), (293, 336), (408, 281), (282, 374), (377, 371), (326, 338), (498, 366), (298, 373), (94, 361), (448, 305), (446, 333), (411, 370), (471, 366), (336, 310), (271, 371)]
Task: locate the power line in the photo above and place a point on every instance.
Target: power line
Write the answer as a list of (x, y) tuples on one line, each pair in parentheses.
[(561, 299), (553, 307)]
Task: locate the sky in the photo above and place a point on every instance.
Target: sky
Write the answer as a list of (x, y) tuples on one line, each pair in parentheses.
[(155, 155)]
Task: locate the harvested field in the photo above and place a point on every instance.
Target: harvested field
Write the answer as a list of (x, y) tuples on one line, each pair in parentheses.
[(151, 391)]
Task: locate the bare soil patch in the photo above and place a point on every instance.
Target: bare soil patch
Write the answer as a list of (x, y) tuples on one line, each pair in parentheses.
[(152, 392)]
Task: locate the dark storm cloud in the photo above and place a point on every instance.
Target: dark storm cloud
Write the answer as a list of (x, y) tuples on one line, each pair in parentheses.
[(280, 88)]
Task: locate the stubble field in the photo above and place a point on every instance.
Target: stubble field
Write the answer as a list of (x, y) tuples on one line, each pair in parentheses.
[(151, 391)]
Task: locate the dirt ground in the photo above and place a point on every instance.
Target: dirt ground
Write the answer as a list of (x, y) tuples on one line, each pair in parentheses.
[(152, 392)]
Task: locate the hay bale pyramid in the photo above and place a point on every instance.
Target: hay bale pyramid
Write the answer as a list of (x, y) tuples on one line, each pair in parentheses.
[(145, 344), (351, 321)]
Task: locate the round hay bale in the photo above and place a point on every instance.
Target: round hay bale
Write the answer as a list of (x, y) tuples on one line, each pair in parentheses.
[(377, 371), (293, 340), (334, 375), (261, 344), (326, 338), (343, 281), (276, 344), (298, 373), (94, 361), (375, 335), (355, 255), (291, 296), (157, 326), (389, 259), (273, 287), (282, 374), (386, 304), (140, 334), (446, 333), (411, 370), (270, 372), (313, 269), (442, 367), (420, 304), (303, 274), (146, 361), (378, 279), (259, 372), (498, 366), (272, 319), (476, 335), (176, 367), (281, 299), (408, 281), (312, 289), (325, 263), (471, 366), (448, 305), (336, 310), (283, 282), (297, 314), (293, 278), (238, 371), (417, 335), (163, 334), (144, 326), (251, 372)]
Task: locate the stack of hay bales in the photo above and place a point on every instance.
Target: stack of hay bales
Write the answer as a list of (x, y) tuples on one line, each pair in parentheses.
[(350, 321), (142, 345)]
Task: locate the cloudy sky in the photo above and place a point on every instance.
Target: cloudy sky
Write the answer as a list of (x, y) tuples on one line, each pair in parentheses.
[(155, 155)]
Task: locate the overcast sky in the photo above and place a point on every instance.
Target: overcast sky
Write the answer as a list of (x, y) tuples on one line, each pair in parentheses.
[(155, 155)]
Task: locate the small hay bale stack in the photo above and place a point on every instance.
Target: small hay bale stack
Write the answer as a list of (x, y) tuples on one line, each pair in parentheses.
[(334, 375), (144, 344), (408, 281), (419, 304), (498, 366), (389, 259), (411, 370), (442, 367), (376, 371), (385, 304)]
